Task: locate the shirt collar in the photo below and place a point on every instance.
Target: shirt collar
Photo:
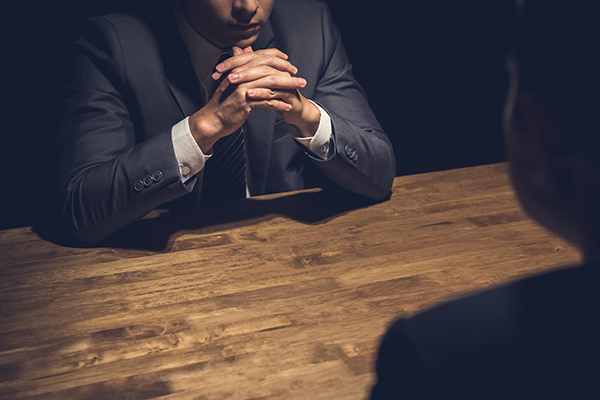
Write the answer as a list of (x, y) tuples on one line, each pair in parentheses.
[(203, 54)]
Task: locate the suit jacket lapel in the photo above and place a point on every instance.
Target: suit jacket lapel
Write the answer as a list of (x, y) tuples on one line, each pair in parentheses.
[(179, 73)]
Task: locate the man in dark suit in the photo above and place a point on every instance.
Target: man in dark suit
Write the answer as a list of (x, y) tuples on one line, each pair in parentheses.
[(154, 112), (538, 338)]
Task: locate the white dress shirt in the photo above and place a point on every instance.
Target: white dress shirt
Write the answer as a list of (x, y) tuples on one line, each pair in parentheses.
[(204, 56)]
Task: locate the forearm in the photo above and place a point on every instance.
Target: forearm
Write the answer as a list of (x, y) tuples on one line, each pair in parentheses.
[(320, 144), (363, 160), (102, 199)]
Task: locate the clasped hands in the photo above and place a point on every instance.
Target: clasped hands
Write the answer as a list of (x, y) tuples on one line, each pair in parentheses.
[(253, 79)]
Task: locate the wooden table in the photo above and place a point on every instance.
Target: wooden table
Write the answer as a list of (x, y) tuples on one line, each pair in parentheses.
[(276, 297)]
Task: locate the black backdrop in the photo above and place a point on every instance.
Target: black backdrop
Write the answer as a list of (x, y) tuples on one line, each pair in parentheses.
[(433, 71)]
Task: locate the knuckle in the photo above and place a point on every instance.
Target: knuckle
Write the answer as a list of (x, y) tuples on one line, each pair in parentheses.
[(240, 95)]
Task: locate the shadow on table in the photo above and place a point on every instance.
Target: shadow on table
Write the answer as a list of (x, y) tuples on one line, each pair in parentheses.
[(157, 231)]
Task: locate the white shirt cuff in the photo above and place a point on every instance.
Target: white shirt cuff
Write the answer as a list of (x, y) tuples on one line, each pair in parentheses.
[(187, 152), (321, 143)]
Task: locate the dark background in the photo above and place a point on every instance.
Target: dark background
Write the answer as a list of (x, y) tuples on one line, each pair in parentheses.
[(433, 71)]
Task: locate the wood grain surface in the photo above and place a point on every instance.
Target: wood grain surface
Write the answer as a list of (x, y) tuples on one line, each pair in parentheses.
[(276, 297)]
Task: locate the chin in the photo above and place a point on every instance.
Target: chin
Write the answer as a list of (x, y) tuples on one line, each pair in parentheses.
[(243, 43)]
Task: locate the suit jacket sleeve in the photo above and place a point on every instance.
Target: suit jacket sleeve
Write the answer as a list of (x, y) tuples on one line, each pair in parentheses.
[(111, 173), (364, 162)]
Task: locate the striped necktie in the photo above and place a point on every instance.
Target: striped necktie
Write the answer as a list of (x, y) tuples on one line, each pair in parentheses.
[(225, 172)]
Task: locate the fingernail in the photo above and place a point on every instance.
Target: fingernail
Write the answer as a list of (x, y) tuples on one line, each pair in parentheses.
[(251, 92), (234, 77), (295, 70), (302, 82)]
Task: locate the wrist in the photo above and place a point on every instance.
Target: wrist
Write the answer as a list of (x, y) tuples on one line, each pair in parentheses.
[(205, 131), (308, 123)]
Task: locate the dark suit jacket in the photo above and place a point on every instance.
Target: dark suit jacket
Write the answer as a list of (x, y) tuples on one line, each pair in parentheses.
[(534, 339), (132, 80)]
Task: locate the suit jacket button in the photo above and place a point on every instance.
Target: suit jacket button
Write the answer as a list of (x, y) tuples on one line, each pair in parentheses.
[(138, 185), (157, 176), (148, 180), (351, 153)]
